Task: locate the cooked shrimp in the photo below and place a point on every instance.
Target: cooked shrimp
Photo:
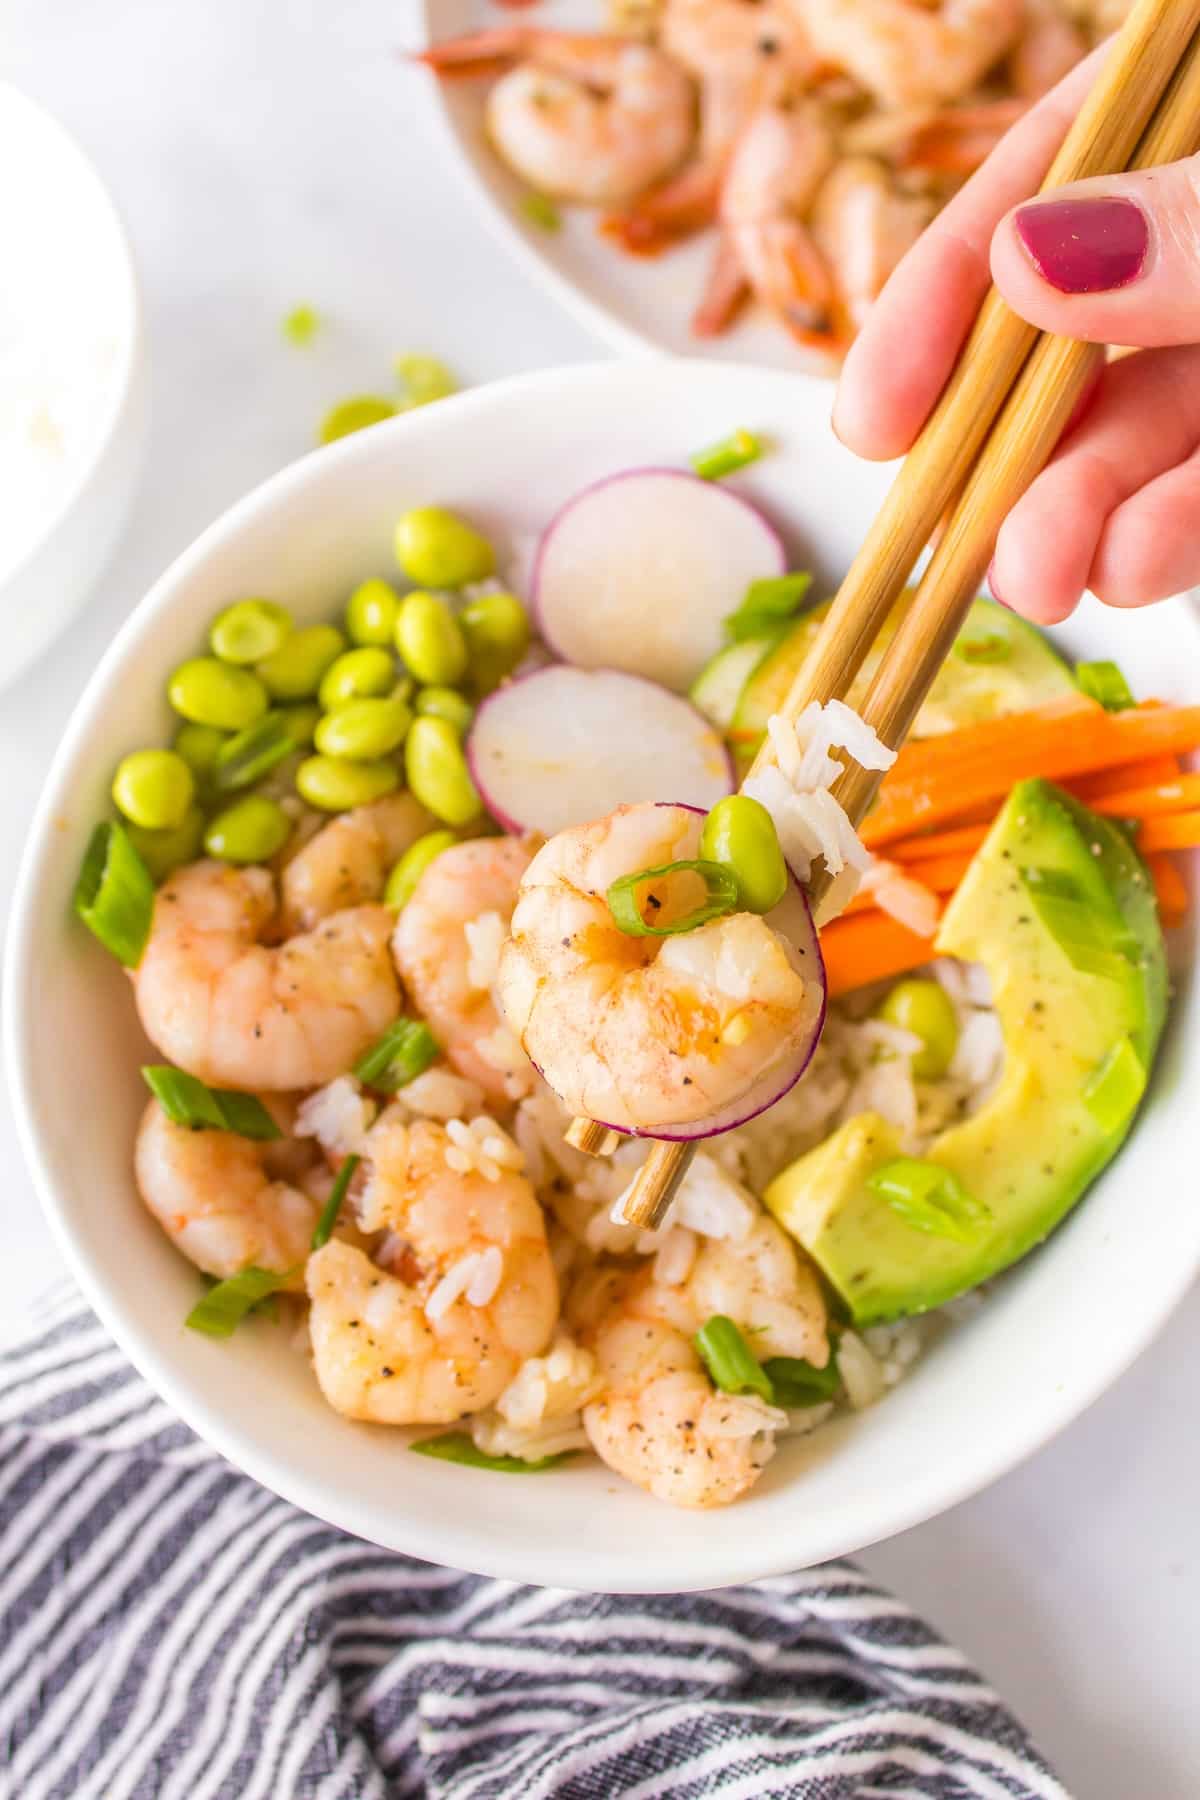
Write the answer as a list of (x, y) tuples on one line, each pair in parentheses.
[(643, 1032), (595, 119), (475, 1294), (348, 860), (227, 1201), (467, 893), (226, 1007), (1049, 46), (863, 225), (905, 53)]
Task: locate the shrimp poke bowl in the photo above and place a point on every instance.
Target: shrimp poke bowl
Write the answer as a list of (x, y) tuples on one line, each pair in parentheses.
[(402, 825)]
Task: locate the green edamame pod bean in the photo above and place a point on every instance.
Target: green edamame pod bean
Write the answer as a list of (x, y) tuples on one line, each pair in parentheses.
[(371, 613), (210, 692), (924, 1009), (438, 550), (198, 746), (357, 675), (249, 630), (739, 833), (164, 851), (154, 788), (300, 722), (334, 786), (249, 831), (496, 627), (438, 774), (294, 671), (402, 882), (363, 729), (446, 703), (430, 639)]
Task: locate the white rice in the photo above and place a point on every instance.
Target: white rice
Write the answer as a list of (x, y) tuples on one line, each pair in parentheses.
[(339, 1116), (552, 1387), (485, 937), (745, 1415), (502, 1052), (795, 790), (481, 1147), (909, 902), (675, 1255), (452, 1286), (439, 1093), (861, 1372)]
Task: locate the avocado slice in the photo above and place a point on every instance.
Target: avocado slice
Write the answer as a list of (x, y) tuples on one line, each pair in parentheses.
[(1060, 910)]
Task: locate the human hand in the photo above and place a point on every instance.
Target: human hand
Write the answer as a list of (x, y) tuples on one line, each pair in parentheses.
[(1112, 260)]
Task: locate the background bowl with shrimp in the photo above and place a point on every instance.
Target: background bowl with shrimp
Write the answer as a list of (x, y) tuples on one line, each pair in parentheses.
[(822, 138), (1054, 1332)]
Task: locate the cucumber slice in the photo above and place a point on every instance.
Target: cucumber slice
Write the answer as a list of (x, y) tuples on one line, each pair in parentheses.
[(718, 687)]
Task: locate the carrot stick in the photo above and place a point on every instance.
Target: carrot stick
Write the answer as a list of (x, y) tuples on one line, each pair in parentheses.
[(1177, 796), (869, 947), (960, 839), (1152, 771), (1171, 889), (1180, 831)]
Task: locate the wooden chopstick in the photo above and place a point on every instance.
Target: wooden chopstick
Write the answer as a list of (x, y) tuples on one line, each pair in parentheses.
[(1149, 91)]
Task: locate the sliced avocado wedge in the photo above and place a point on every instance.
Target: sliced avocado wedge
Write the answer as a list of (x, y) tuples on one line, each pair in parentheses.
[(1059, 909)]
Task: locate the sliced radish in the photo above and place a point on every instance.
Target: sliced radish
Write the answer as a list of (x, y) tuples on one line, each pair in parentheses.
[(639, 571), (563, 745)]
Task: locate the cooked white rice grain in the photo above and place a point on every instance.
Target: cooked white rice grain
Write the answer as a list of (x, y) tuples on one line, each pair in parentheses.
[(485, 937), (803, 1420), (862, 1376), (674, 1257), (452, 1286), (502, 1052), (909, 902), (743, 1416), (339, 1116), (486, 1279), (548, 1389), (439, 1093), (495, 1437), (979, 1053)]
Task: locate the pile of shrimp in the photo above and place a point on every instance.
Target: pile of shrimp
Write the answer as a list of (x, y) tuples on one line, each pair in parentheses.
[(469, 1280), (818, 137)]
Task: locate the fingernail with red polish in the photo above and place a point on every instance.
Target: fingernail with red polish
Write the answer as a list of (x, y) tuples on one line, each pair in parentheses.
[(1085, 246)]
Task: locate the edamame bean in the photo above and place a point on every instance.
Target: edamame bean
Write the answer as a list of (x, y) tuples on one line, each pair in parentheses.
[(210, 692), (402, 882), (250, 831), (198, 746), (357, 675), (334, 786), (294, 671), (249, 630), (446, 703), (739, 833), (371, 613), (438, 774), (154, 788), (430, 639), (363, 729), (438, 550), (496, 627), (300, 722), (163, 851), (923, 1008)]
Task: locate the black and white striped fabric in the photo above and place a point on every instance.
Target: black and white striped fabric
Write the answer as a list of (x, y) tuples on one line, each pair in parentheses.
[(171, 1631)]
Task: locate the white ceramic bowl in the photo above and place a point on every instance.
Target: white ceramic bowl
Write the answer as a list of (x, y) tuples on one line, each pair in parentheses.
[(1048, 1341), (634, 304), (72, 378)]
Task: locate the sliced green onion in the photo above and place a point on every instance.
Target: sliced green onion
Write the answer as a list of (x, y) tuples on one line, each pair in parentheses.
[(984, 647), (1115, 1086), (457, 1447), (626, 909), (405, 1051), (1090, 937), (930, 1198), (424, 379), (541, 211), (767, 603), (249, 755), (301, 325), (1103, 681), (323, 1230), (729, 1360), (189, 1102), (225, 1306), (735, 452), (114, 895), (797, 1382)]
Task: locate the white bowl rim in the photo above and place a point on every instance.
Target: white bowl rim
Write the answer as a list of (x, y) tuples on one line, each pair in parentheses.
[(424, 1537)]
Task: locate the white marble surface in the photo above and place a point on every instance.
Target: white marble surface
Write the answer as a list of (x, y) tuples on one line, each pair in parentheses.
[(266, 152)]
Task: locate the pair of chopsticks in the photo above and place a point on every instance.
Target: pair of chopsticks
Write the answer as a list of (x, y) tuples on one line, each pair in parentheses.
[(995, 427)]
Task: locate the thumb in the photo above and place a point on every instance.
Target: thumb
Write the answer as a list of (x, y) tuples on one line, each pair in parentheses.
[(1115, 260)]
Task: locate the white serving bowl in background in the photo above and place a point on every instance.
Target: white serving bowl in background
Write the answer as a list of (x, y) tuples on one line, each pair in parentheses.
[(1051, 1337), (73, 387)]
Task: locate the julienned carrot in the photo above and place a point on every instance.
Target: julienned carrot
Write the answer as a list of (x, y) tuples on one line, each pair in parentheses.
[(940, 778), (1151, 771), (1178, 831), (960, 840), (1165, 823), (1178, 796), (869, 947)]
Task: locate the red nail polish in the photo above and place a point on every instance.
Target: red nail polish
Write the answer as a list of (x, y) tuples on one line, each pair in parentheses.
[(1085, 246)]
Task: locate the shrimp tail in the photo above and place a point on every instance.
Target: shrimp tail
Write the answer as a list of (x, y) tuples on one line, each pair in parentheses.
[(685, 204), (725, 292), (478, 53), (956, 142)]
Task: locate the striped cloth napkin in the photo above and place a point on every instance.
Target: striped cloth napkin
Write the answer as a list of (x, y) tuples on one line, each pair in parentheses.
[(171, 1631)]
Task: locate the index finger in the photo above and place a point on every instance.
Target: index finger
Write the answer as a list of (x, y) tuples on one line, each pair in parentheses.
[(899, 363)]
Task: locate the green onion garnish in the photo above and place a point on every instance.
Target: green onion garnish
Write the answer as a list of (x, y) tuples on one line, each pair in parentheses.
[(1082, 921), (1115, 1086), (767, 604), (930, 1198), (301, 325), (354, 414), (423, 379), (629, 911), (225, 1306), (405, 1051), (983, 647), (1103, 681), (189, 1102), (457, 1447), (114, 895), (734, 452), (542, 212), (333, 1206), (729, 1360), (797, 1382), (249, 755)]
